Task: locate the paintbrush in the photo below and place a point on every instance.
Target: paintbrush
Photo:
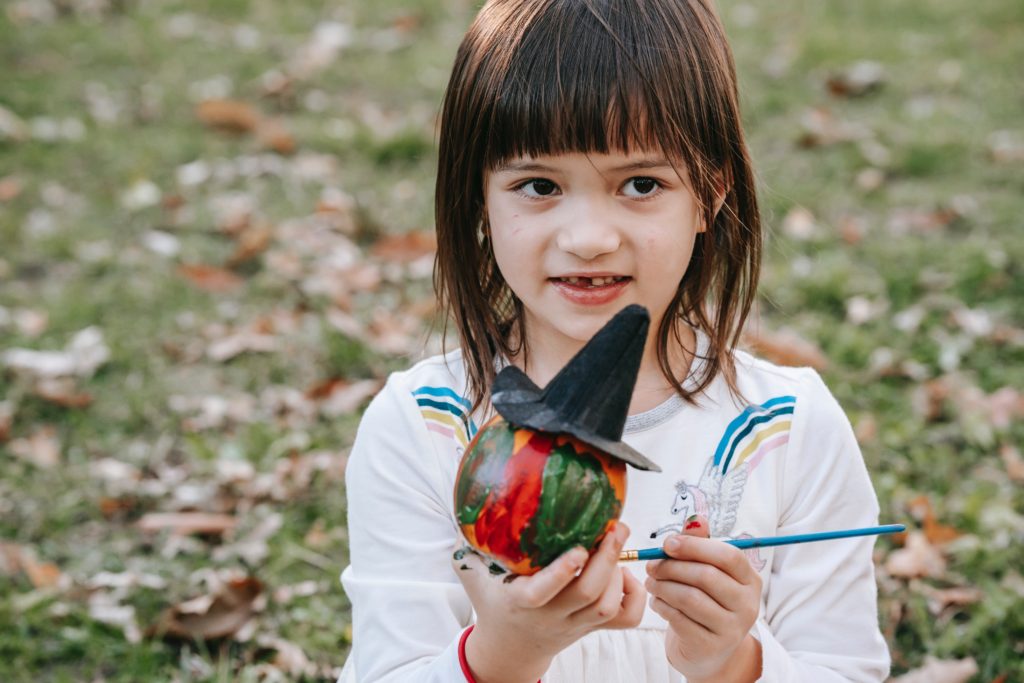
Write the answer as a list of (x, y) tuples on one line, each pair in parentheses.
[(744, 543)]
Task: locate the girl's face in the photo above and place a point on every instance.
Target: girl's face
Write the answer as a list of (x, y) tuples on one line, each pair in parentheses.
[(577, 237)]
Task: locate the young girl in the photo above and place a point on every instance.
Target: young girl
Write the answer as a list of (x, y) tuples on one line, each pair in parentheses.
[(591, 157)]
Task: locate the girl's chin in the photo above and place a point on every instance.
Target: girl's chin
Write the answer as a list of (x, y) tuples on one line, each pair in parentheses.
[(575, 329)]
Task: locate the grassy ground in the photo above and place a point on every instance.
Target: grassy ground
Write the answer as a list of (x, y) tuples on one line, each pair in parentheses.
[(895, 248)]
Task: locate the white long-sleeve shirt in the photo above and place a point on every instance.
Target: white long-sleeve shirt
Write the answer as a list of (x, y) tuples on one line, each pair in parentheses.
[(784, 462)]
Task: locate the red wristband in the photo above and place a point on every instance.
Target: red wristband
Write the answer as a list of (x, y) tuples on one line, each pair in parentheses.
[(462, 656)]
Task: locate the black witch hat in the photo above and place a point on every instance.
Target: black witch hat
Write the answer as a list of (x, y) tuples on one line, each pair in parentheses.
[(589, 398)]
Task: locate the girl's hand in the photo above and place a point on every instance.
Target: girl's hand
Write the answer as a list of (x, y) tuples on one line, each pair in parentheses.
[(524, 622), (709, 594)]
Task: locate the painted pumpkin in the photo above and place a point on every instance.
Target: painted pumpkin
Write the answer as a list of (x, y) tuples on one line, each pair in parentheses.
[(524, 497)]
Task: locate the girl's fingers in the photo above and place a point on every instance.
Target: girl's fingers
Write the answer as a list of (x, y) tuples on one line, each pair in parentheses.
[(721, 587), (590, 585), (685, 628), (606, 607), (693, 603), (730, 560), (541, 588), (634, 598)]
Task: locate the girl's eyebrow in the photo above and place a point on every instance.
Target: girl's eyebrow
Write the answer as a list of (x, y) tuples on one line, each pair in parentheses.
[(533, 166), (518, 166), (644, 164)]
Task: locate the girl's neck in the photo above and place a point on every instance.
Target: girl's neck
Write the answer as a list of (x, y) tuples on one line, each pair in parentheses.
[(652, 388)]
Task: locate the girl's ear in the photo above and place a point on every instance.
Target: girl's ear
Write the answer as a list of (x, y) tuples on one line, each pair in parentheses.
[(721, 190)]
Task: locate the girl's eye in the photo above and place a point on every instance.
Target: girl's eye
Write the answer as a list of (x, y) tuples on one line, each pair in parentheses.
[(641, 187), (538, 187)]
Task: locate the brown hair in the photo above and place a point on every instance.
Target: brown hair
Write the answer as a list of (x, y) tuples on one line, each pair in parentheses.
[(557, 76)]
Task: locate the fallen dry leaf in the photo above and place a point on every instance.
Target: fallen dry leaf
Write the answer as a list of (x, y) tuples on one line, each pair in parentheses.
[(253, 548), (62, 391), (210, 617), (31, 323), (858, 79), (105, 608), (228, 115), (141, 194), (852, 229), (866, 429), (1010, 455), (317, 536), (241, 342), (10, 563), (184, 523), (785, 348), (12, 127), (112, 507), (394, 332), (338, 397), (83, 355), (821, 128), (799, 224), (929, 399), (1006, 146), (251, 242), (127, 579), (214, 411), (6, 420), (10, 187), (273, 134), (941, 671), (920, 221), (42, 448), (15, 558), (323, 47), (936, 533), (941, 598), (916, 559), (1005, 406), (288, 657), (42, 574), (405, 248), (211, 278)]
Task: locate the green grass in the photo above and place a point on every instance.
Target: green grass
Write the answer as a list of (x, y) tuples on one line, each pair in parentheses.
[(947, 88)]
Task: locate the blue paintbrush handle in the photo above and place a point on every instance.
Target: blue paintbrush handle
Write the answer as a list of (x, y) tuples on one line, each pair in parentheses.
[(744, 543)]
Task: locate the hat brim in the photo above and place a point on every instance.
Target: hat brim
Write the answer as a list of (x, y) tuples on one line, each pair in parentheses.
[(536, 415)]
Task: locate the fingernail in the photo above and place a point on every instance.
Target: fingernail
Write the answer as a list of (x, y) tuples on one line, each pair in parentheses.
[(693, 522), (672, 544), (579, 558)]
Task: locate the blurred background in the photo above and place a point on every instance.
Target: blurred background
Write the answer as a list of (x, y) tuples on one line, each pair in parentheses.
[(216, 241)]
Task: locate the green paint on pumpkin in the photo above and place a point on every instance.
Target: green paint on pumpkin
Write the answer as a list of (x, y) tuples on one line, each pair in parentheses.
[(577, 500), (485, 465)]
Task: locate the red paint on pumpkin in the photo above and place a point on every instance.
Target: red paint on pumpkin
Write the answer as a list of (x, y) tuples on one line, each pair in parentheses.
[(501, 524)]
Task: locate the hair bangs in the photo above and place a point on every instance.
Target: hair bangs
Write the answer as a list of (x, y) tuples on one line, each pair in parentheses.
[(575, 83)]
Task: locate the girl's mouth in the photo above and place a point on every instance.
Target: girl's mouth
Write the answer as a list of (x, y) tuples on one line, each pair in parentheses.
[(591, 291), (592, 282)]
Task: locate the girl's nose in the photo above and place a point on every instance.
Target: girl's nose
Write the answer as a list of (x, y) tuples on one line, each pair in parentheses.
[(588, 236)]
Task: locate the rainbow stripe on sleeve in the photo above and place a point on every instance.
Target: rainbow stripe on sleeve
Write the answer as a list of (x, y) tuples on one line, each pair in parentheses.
[(446, 412), (758, 430)]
